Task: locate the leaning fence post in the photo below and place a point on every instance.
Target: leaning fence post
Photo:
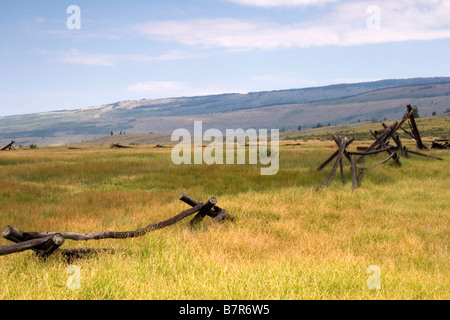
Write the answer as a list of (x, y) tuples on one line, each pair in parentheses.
[(342, 145), (361, 172), (353, 167)]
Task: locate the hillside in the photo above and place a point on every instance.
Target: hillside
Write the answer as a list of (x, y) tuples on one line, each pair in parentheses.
[(334, 105), (430, 128)]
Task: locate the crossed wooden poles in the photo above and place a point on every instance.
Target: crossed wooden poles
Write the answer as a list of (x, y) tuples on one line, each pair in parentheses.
[(46, 243), (356, 171), (382, 136), (381, 144), (9, 146)]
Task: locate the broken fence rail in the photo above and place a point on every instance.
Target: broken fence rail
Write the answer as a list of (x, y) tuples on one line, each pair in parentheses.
[(46, 243)]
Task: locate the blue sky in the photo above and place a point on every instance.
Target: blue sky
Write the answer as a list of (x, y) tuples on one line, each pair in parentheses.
[(128, 50)]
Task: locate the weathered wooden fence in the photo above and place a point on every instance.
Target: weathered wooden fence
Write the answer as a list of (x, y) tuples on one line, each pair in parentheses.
[(381, 144), (46, 243), (9, 146)]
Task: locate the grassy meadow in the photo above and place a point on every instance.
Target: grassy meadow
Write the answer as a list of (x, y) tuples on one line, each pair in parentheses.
[(287, 241)]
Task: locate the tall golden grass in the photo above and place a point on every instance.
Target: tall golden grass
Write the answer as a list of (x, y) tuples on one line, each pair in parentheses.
[(287, 241)]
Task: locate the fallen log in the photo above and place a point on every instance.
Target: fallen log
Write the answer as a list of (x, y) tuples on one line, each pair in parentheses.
[(437, 145), (116, 145), (293, 144)]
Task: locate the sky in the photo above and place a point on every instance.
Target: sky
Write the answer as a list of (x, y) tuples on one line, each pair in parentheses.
[(58, 55)]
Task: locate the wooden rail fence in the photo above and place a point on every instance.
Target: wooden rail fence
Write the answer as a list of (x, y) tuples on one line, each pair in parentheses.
[(381, 144), (9, 146), (46, 243)]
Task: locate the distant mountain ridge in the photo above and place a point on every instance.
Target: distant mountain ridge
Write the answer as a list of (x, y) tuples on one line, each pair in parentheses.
[(334, 104), (235, 101)]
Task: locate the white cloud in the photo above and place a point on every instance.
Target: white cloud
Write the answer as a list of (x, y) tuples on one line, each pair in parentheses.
[(170, 55), (80, 35), (346, 25), (403, 20), (91, 59), (280, 3), (236, 34), (39, 19), (74, 56)]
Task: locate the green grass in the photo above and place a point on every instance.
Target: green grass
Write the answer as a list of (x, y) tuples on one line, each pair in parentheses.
[(287, 241)]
